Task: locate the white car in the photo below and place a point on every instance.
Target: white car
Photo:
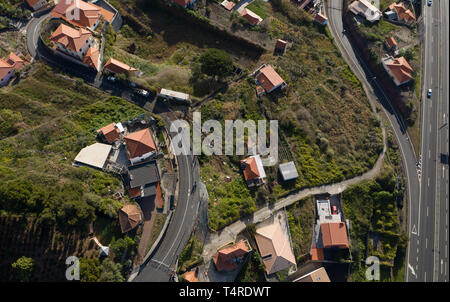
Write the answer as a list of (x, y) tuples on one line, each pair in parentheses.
[(111, 78), (429, 93), (143, 92)]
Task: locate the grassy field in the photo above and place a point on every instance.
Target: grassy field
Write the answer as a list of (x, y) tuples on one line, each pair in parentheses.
[(45, 130), (325, 123), (260, 8), (158, 224)]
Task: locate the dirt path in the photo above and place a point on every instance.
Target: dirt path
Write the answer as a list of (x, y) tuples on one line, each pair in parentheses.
[(149, 210)]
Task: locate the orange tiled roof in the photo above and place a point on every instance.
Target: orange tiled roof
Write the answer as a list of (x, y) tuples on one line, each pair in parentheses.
[(400, 69), (334, 234), (139, 143), (71, 38), (13, 60), (117, 66), (251, 168), (190, 276), (91, 57), (402, 12), (319, 275), (110, 132), (225, 258), (269, 78), (253, 18), (32, 2), (228, 4), (134, 192), (5, 68), (391, 42), (159, 199), (317, 254), (88, 13), (183, 3)]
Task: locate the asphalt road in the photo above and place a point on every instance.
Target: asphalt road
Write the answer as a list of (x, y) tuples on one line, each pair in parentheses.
[(428, 248), (161, 266), (375, 92)]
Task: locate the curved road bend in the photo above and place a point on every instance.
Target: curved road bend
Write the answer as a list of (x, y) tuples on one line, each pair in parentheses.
[(376, 94), (161, 265)]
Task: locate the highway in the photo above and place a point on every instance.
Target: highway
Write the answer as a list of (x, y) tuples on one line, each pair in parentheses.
[(376, 94), (428, 249)]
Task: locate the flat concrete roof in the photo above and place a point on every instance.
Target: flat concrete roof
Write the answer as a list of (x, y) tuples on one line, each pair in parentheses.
[(288, 171), (94, 155)]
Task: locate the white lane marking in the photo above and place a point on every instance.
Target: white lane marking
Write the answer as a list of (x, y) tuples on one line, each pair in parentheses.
[(442, 264), (427, 211), (428, 181), (426, 243), (425, 279), (429, 153), (412, 269)]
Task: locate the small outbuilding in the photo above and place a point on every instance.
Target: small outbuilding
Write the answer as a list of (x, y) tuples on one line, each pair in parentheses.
[(288, 171), (94, 155), (129, 217)]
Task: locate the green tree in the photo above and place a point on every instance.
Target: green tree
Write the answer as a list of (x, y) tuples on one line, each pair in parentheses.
[(216, 62), (23, 268), (120, 246), (8, 121), (89, 270), (111, 272)]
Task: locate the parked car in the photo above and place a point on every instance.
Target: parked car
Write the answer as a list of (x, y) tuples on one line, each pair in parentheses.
[(111, 78), (142, 92), (430, 2), (429, 93), (334, 210)]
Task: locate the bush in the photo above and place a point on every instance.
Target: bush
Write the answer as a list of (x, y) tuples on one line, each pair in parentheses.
[(23, 268), (216, 62)]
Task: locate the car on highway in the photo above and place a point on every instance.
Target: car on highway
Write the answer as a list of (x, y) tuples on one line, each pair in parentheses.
[(429, 93), (429, 2), (111, 78)]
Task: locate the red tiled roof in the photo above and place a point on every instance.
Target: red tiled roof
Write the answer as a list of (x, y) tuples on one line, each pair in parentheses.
[(32, 2), (91, 58), (269, 78), (225, 258), (117, 66), (391, 42), (88, 13), (190, 276), (320, 18), (402, 12), (228, 4), (71, 38), (139, 143), (13, 60), (183, 3), (280, 44), (159, 199), (251, 17), (251, 168), (334, 234), (317, 254), (134, 192), (400, 70), (5, 68), (110, 132), (129, 217)]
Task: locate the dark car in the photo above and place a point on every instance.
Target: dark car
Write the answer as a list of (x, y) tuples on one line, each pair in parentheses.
[(430, 2)]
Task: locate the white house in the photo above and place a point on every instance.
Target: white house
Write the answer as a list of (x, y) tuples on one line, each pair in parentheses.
[(74, 42)]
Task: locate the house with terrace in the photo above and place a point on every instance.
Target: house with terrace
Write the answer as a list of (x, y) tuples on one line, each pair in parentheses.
[(398, 12), (8, 66), (253, 171), (111, 132), (365, 9), (140, 146), (81, 14), (72, 42), (115, 66), (144, 181), (229, 258), (251, 17)]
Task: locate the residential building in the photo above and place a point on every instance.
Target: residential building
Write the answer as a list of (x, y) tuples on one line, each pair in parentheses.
[(140, 146), (37, 4), (6, 73), (321, 19), (143, 181), (72, 42), (288, 171), (185, 3), (191, 276), (251, 17), (398, 69), (398, 12), (229, 258), (365, 9), (116, 66), (280, 45), (129, 217), (111, 132), (173, 95), (81, 14), (390, 43), (15, 61), (318, 275), (269, 79), (94, 156), (253, 171), (228, 5), (92, 58), (274, 247), (334, 235)]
